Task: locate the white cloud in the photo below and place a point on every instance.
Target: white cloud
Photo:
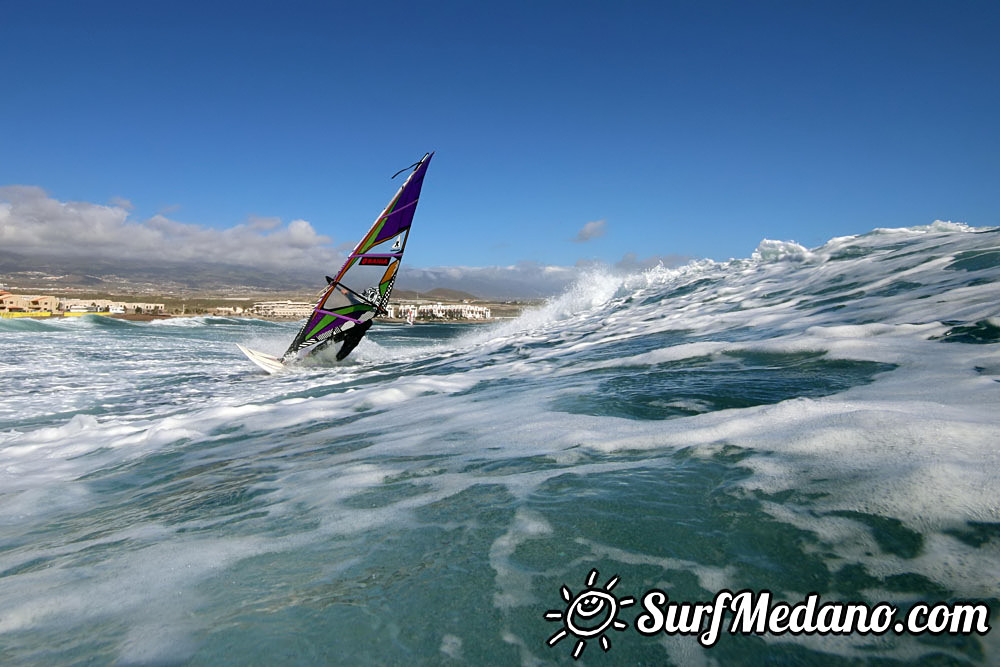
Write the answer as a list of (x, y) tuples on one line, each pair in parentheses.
[(33, 223), (591, 230), (263, 224), (521, 280), (524, 279), (121, 202)]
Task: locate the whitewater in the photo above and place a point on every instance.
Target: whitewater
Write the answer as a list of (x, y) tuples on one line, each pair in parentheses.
[(804, 420)]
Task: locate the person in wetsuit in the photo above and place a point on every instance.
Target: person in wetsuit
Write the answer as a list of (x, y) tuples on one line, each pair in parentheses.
[(352, 337)]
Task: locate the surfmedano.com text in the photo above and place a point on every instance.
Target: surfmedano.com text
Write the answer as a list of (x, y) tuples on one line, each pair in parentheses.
[(754, 613)]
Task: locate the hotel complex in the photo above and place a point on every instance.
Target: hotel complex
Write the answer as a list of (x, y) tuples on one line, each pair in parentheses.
[(281, 309), (19, 305), (439, 311), (425, 311), (13, 305)]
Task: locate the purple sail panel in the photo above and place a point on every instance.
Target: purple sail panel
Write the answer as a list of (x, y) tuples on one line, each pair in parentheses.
[(402, 212)]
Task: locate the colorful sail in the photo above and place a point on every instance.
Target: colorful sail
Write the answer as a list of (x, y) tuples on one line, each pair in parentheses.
[(360, 290)]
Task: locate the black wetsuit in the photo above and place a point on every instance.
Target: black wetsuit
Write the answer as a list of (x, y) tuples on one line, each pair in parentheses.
[(352, 337)]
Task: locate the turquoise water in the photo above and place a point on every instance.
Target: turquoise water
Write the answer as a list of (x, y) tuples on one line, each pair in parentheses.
[(801, 421)]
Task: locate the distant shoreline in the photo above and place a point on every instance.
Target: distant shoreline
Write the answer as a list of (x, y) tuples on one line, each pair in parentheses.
[(162, 306), (436, 306), (147, 317)]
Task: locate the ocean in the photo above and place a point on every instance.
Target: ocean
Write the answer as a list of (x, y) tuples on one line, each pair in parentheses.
[(802, 421)]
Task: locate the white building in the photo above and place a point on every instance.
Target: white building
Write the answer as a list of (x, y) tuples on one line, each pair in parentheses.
[(401, 311), (291, 309), (456, 311), (108, 306)]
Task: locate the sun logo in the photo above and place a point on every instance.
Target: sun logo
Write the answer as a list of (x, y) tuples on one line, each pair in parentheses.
[(589, 614)]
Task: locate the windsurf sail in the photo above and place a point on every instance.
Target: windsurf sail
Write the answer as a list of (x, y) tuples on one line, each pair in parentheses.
[(360, 290)]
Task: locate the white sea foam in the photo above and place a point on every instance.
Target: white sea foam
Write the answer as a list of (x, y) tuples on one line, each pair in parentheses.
[(514, 585), (781, 251)]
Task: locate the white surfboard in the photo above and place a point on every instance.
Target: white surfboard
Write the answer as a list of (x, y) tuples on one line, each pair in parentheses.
[(269, 363)]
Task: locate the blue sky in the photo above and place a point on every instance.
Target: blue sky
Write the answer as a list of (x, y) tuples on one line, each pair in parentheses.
[(688, 128)]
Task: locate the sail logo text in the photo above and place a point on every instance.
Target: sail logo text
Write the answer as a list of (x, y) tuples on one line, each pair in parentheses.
[(595, 610)]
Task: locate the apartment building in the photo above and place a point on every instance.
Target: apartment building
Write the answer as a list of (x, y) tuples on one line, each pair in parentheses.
[(284, 309), (20, 303), (108, 306), (457, 311)]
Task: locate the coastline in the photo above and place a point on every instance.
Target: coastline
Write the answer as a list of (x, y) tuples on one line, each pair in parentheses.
[(48, 315), (146, 317), (33, 306)]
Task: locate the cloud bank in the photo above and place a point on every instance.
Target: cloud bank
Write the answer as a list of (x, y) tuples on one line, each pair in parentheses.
[(35, 225), (522, 280), (32, 223)]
